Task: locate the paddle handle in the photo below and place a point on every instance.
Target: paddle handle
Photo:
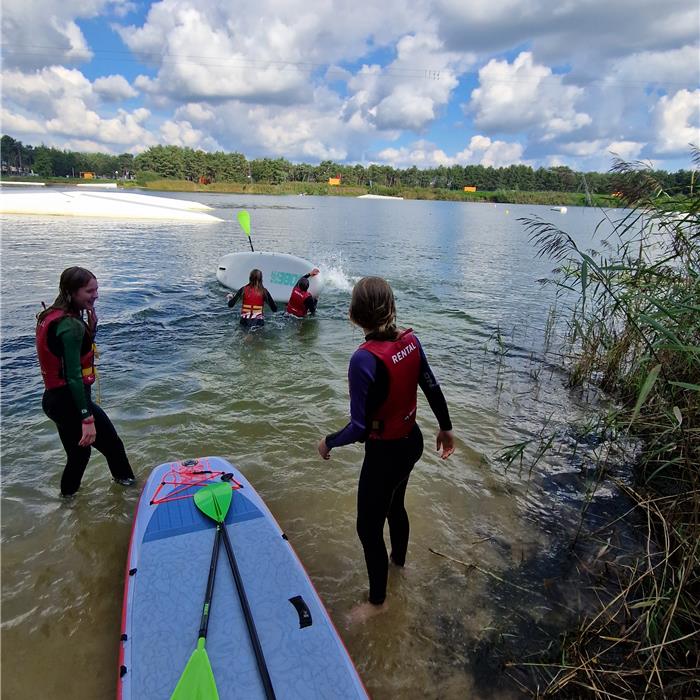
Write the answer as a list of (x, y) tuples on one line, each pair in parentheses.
[(206, 609), (255, 641)]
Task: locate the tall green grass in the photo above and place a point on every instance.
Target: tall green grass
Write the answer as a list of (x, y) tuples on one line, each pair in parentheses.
[(633, 328)]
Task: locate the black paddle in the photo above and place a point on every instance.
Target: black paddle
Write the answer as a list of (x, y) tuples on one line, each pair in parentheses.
[(213, 500)]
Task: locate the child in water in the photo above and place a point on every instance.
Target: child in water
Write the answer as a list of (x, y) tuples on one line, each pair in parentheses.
[(254, 297), (301, 301), (384, 375)]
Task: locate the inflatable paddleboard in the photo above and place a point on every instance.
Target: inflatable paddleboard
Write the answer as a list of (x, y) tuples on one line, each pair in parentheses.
[(280, 272), (166, 580)]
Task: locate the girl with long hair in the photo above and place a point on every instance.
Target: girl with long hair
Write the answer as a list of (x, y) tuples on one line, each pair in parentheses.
[(65, 334), (254, 296), (384, 375)]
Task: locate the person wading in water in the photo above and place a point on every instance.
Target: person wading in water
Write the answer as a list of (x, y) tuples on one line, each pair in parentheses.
[(384, 375), (66, 351)]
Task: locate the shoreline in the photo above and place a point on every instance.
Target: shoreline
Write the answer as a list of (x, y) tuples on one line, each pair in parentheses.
[(546, 198)]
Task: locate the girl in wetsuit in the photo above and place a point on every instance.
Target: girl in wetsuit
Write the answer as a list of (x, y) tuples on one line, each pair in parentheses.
[(384, 375), (254, 297), (65, 348)]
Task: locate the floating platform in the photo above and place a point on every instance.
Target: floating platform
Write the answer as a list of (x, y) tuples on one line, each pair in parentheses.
[(106, 205), (377, 196)]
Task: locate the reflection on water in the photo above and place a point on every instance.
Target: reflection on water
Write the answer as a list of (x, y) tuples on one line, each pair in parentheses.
[(180, 379)]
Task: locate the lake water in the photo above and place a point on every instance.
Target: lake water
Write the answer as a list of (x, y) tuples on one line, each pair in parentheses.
[(180, 379)]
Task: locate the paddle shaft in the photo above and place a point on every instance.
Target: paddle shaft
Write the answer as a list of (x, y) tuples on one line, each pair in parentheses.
[(255, 641), (204, 623), (250, 240)]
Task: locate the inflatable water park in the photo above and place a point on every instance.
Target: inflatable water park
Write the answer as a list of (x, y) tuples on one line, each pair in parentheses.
[(104, 203)]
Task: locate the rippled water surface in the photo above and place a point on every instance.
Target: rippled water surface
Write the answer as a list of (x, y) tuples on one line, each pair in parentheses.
[(180, 379)]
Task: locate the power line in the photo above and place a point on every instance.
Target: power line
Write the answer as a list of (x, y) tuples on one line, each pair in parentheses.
[(114, 56)]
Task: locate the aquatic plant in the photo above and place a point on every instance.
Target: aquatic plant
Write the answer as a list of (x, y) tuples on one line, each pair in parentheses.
[(633, 329)]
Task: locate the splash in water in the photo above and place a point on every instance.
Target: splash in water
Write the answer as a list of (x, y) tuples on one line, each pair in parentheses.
[(333, 277)]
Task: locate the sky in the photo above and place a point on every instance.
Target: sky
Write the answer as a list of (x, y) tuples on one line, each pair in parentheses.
[(421, 83)]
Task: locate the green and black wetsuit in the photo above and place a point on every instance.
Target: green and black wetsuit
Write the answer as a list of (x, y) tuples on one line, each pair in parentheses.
[(70, 404)]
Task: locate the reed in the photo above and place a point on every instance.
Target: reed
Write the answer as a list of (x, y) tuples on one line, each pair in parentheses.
[(633, 328)]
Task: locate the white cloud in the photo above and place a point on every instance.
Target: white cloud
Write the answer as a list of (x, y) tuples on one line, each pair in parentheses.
[(182, 133), (343, 78), (58, 105), (422, 154), (481, 150), (257, 50), (113, 88), (585, 33), (37, 33), (194, 112), (583, 148), (677, 120), (13, 123), (669, 67), (297, 134), (401, 95), (523, 96), (486, 152), (627, 150)]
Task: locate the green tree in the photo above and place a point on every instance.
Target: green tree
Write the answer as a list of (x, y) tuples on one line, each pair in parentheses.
[(43, 162)]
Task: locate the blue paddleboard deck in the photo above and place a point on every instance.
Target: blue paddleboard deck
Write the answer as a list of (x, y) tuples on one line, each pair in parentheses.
[(167, 569)]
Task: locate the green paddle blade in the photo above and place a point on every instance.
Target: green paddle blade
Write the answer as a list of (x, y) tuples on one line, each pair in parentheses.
[(197, 680), (244, 221), (214, 500)]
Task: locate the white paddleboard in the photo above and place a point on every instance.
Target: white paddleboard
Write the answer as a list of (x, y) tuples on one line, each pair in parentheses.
[(280, 272)]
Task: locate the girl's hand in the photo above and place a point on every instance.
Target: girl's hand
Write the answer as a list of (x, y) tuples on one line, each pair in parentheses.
[(323, 449), (446, 442), (91, 318), (89, 434), (229, 297), (314, 272)]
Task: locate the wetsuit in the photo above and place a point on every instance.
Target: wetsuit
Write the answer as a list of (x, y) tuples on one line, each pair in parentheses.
[(387, 463), (68, 402), (250, 318)]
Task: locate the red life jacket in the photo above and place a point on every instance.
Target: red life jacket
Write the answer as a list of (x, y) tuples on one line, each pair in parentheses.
[(396, 417), (52, 370), (252, 304), (296, 305)]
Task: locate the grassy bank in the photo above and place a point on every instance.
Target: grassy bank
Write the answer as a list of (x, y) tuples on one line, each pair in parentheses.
[(569, 199), (634, 331), (558, 199)]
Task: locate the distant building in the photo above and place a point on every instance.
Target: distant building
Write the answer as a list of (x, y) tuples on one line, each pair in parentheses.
[(87, 175), (470, 188), (335, 181)]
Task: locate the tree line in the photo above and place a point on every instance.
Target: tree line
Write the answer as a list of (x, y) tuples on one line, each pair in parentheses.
[(178, 163)]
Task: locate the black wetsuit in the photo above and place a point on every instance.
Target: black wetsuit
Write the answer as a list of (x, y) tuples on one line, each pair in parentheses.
[(387, 464)]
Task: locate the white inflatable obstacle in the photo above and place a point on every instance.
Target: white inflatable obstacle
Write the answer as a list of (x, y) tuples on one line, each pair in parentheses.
[(107, 205)]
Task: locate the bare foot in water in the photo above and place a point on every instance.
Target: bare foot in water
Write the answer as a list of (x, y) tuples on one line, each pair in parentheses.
[(364, 611)]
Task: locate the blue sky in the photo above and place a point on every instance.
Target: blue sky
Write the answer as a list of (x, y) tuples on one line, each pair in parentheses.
[(426, 83)]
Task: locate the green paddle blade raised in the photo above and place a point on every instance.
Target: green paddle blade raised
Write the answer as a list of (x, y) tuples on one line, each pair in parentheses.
[(244, 221), (214, 500), (197, 680)]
